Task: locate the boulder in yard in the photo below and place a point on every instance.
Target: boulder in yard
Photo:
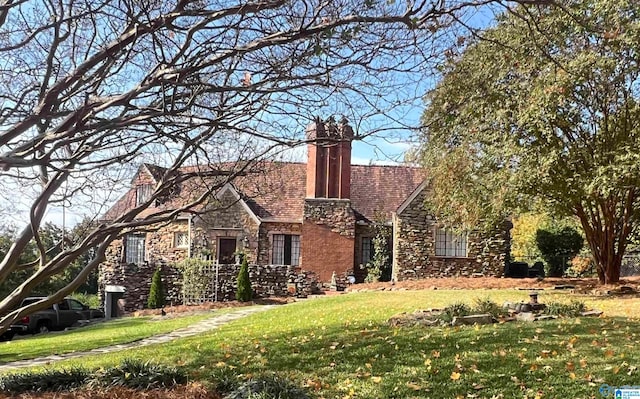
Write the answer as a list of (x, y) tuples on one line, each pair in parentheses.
[(525, 316), (472, 319)]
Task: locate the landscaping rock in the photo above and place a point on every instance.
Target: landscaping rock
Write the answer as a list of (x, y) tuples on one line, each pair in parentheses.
[(472, 319), (564, 287), (545, 317), (591, 313), (525, 316)]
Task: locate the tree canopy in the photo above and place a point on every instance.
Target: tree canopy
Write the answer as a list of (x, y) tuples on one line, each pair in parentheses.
[(543, 107), (89, 90)]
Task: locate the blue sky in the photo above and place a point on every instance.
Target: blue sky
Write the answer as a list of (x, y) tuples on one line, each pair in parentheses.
[(387, 147)]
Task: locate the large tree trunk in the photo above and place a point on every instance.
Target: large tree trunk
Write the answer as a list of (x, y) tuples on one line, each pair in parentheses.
[(607, 252), (608, 269)]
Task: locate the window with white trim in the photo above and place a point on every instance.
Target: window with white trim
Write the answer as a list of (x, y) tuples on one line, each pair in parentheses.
[(286, 249), (134, 248), (449, 243), (181, 239), (143, 193)]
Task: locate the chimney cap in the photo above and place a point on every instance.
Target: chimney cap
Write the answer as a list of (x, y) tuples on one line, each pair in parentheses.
[(316, 129), (330, 129)]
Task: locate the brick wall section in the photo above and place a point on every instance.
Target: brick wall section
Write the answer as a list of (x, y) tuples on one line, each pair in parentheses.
[(328, 243), (414, 250)]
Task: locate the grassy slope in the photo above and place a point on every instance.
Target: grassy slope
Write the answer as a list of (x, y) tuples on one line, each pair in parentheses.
[(96, 336), (342, 348)]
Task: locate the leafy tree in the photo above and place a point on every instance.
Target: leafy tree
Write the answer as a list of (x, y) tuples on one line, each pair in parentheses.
[(379, 267), (543, 107), (523, 235), (51, 238), (558, 248), (90, 90), (156, 292), (244, 292)]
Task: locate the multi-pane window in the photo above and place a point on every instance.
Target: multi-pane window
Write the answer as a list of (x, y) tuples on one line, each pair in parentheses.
[(448, 243), (286, 249), (181, 239), (367, 250), (134, 248), (143, 193)]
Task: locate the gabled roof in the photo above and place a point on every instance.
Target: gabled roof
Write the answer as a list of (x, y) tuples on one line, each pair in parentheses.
[(228, 188), (275, 191), (411, 197), (156, 172)]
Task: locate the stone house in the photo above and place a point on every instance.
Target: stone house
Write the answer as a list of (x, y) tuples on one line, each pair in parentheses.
[(316, 220)]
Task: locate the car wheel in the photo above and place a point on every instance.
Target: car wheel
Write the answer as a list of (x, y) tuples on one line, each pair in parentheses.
[(43, 328), (7, 336)]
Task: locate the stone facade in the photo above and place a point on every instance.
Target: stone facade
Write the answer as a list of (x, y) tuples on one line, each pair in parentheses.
[(231, 220), (328, 232), (160, 253), (326, 206), (414, 250), (265, 238)]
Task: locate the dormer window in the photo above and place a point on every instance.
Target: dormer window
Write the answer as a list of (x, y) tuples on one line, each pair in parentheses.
[(143, 193)]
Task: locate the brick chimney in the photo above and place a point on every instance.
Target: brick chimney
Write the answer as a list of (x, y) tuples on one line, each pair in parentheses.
[(329, 159)]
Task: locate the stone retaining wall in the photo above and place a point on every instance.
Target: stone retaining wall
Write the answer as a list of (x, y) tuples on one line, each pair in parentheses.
[(266, 281)]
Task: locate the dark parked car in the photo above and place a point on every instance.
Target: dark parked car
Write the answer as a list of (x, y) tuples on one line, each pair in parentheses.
[(58, 316), (13, 330)]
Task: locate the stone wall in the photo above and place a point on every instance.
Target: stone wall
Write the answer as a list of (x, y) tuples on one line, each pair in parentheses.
[(266, 281), (269, 280), (414, 248), (328, 238)]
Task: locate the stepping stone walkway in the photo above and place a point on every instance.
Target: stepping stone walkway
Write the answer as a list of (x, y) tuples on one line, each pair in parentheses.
[(200, 327)]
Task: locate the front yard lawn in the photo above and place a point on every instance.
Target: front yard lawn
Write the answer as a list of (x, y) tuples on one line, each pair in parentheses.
[(113, 332), (342, 347)]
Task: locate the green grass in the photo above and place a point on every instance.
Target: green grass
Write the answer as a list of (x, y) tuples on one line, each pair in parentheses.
[(99, 335), (342, 347)]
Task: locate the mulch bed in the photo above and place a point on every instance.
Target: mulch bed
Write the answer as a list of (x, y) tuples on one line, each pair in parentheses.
[(496, 283), (193, 390)]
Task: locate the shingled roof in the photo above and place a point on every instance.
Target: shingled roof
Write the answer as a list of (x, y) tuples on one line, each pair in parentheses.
[(275, 191)]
